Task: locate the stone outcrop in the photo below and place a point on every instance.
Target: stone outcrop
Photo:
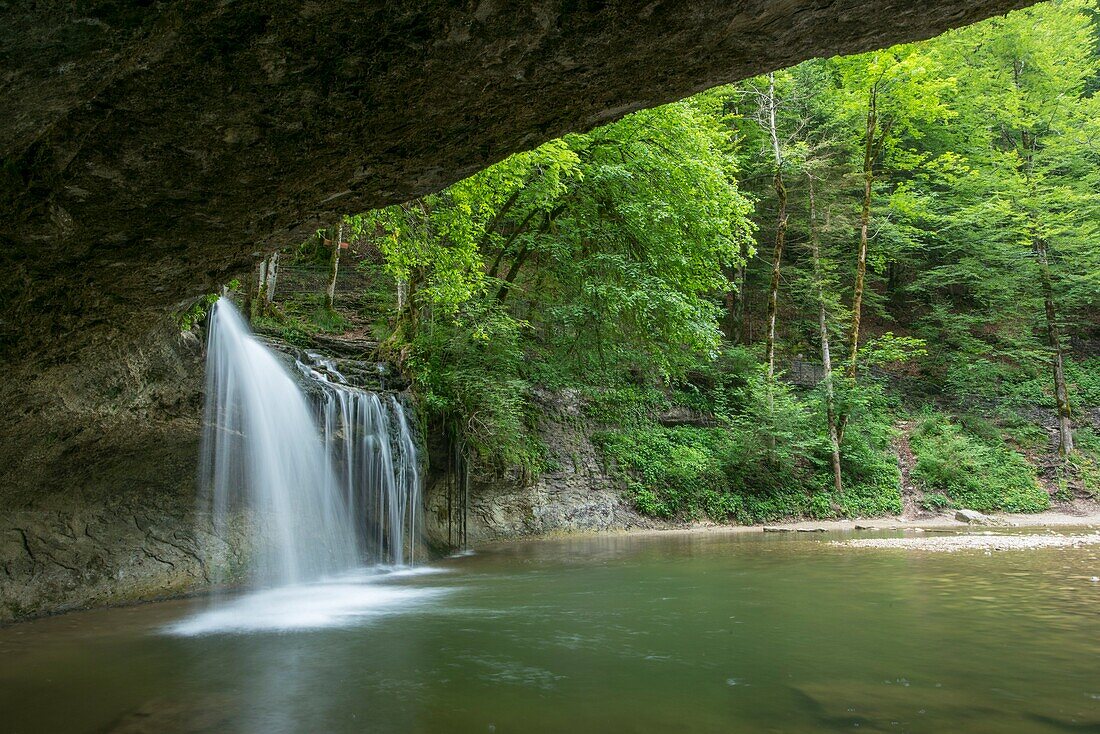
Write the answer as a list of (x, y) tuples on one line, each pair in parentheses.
[(149, 147), (575, 494), (973, 517), (123, 549), (97, 477)]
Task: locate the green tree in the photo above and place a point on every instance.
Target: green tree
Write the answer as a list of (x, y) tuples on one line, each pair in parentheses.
[(888, 96)]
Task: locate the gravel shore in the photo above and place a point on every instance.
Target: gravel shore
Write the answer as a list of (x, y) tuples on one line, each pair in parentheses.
[(986, 542)]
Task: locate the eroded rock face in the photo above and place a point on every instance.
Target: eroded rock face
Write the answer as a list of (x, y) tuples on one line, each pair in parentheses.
[(147, 149), (125, 548), (97, 477), (576, 494)]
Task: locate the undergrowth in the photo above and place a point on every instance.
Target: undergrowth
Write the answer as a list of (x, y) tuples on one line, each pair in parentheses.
[(968, 462), (758, 464), (1086, 460)]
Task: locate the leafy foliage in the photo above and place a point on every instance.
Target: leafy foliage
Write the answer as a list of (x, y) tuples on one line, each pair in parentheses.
[(974, 471), (592, 255), (758, 465)]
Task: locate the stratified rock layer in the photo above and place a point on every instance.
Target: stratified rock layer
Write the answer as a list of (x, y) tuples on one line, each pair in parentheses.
[(97, 477)]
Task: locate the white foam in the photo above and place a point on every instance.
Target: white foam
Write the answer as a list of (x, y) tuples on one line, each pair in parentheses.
[(405, 571), (339, 602)]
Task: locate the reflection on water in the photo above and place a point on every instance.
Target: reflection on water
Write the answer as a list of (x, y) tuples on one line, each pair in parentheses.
[(676, 632)]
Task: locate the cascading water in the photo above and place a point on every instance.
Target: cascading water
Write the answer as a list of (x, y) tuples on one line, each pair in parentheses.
[(378, 477), (329, 484), (262, 455)]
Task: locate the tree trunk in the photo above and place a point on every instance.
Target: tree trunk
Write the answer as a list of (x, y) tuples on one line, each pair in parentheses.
[(780, 226), (864, 224), (742, 315), (334, 267), (777, 253), (272, 277), (1054, 337), (730, 327), (1061, 392), (826, 356), (777, 260), (255, 300)]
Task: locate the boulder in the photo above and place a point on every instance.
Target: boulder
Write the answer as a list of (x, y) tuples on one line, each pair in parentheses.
[(973, 517)]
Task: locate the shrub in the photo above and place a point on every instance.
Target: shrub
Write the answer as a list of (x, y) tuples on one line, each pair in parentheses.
[(935, 501), (872, 481), (669, 471), (1022, 431), (729, 473), (467, 369), (623, 406), (1084, 379), (973, 470), (1086, 460)]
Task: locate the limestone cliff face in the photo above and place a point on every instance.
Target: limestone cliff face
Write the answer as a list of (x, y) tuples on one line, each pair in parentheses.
[(99, 501), (133, 547), (97, 479), (576, 494)]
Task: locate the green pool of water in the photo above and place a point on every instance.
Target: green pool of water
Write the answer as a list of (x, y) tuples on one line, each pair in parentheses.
[(678, 632)]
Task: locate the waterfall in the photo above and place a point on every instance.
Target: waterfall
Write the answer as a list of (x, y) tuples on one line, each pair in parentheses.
[(328, 478), (379, 478)]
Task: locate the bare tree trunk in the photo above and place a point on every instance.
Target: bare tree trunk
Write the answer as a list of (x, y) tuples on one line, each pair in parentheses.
[(864, 224), (334, 267), (272, 277), (742, 314), (777, 260), (402, 286), (826, 356), (1061, 392), (255, 301), (780, 228), (777, 252)]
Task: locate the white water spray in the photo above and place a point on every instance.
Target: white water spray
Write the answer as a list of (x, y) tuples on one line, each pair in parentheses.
[(326, 485)]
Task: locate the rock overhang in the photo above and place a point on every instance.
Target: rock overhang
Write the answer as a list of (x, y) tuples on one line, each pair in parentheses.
[(149, 148)]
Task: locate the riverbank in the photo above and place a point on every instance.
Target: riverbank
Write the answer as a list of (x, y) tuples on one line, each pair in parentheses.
[(1081, 514), (1088, 517)]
